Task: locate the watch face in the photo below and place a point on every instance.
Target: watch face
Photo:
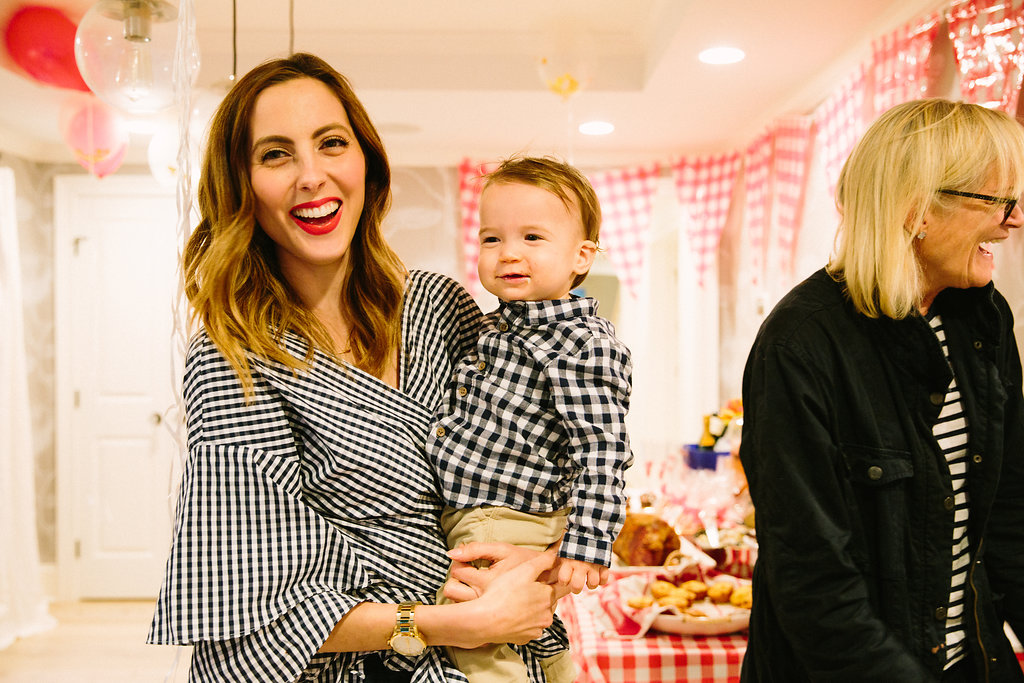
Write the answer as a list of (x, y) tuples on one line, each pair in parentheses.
[(409, 646)]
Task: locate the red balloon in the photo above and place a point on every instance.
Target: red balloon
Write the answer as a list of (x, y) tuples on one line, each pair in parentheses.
[(97, 135), (41, 40)]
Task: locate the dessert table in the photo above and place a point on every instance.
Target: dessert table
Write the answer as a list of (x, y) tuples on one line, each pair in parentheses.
[(603, 656)]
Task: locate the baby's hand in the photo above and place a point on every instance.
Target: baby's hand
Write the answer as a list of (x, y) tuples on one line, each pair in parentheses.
[(577, 575)]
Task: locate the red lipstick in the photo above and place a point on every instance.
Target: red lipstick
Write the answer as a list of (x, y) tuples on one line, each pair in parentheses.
[(317, 217)]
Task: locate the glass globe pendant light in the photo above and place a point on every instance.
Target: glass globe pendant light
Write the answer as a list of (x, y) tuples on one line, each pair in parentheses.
[(125, 51)]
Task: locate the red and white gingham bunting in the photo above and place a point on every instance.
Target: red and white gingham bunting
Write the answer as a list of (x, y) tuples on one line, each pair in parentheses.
[(899, 64), (986, 38), (627, 200), (840, 123), (704, 188), (757, 168), (988, 41), (470, 185), (792, 138)]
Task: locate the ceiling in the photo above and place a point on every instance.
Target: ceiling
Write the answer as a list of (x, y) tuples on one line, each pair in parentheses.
[(449, 79)]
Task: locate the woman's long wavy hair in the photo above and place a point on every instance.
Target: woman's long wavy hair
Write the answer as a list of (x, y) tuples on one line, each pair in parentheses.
[(232, 277), (892, 179)]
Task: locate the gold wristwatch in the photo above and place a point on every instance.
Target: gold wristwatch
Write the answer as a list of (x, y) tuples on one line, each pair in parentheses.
[(405, 639)]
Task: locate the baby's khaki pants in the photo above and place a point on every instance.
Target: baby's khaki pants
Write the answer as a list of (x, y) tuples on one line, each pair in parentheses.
[(498, 663)]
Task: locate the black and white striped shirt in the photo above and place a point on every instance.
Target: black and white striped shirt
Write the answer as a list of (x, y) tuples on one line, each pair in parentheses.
[(951, 433), (535, 421), (309, 499)]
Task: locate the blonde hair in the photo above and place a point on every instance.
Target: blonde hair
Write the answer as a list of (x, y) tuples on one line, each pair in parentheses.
[(561, 179), (232, 277), (893, 177)]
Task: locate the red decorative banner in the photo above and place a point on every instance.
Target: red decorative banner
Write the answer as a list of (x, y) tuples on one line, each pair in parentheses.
[(627, 200), (986, 37), (900, 63), (704, 188), (470, 186), (757, 181), (840, 123), (792, 138)]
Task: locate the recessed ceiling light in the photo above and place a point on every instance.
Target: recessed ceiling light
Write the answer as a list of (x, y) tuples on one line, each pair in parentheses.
[(596, 128), (722, 55)]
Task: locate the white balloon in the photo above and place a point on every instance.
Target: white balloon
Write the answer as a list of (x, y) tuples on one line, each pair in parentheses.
[(162, 154)]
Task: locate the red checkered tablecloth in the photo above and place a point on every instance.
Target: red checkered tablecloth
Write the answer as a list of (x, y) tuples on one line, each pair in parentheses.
[(602, 656)]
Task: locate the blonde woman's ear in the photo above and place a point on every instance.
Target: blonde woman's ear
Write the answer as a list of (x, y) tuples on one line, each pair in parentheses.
[(916, 226)]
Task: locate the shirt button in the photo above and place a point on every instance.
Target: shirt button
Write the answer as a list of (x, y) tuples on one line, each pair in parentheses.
[(940, 613), (874, 473), (481, 366), (439, 431), (937, 399), (976, 458), (463, 391), (503, 327), (948, 502)]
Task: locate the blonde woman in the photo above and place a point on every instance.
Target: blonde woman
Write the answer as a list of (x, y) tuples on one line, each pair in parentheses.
[(883, 433), (307, 531)]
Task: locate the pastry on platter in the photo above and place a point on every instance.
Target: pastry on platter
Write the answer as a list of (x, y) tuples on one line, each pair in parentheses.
[(645, 540)]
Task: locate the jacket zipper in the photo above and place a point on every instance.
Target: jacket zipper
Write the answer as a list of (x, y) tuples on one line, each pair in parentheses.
[(977, 622)]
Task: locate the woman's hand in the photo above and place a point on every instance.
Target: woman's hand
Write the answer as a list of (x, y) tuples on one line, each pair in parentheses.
[(510, 601), (469, 581), (514, 606)]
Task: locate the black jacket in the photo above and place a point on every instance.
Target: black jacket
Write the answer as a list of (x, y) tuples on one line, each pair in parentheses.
[(850, 488)]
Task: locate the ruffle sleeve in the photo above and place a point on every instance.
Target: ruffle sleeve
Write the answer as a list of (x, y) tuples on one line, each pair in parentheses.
[(246, 549)]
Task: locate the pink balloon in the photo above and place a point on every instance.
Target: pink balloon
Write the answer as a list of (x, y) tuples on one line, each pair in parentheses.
[(107, 165), (97, 135), (41, 40)]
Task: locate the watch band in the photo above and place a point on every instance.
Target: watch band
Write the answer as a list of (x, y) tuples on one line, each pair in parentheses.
[(405, 638), (405, 620)]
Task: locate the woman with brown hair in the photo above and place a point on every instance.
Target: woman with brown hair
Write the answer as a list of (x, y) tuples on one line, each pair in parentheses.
[(307, 524)]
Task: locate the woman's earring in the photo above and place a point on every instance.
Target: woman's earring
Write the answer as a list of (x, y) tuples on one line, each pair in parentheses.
[(921, 235)]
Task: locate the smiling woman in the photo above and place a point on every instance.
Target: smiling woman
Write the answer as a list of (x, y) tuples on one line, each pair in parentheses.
[(883, 435), (951, 245), (306, 539), (308, 179), (897, 253)]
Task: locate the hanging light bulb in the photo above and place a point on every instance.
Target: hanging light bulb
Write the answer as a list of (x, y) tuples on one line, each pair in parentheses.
[(125, 53), (135, 72)]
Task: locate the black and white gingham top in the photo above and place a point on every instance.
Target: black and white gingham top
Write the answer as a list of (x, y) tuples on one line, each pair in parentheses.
[(310, 499), (535, 421)]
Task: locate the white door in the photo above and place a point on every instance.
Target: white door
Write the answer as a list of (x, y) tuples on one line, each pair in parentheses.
[(116, 282)]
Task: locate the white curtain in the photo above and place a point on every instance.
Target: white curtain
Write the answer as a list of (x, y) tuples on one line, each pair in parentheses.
[(671, 327), (23, 605)]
